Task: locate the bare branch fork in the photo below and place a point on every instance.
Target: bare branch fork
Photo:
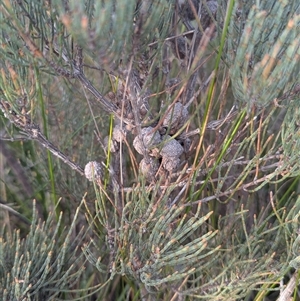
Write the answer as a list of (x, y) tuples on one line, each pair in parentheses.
[(78, 73), (32, 131)]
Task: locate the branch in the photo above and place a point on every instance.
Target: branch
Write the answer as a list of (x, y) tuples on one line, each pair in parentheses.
[(32, 131)]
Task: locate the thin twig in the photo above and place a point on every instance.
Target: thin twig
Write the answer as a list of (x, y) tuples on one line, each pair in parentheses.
[(32, 131), (16, 213)]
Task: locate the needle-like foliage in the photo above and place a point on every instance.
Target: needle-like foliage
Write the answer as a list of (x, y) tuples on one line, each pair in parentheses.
[(41, 266), (178, 122)]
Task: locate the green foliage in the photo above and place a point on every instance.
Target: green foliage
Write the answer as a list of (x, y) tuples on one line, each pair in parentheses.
[(153, 245), (193, 114), (265, 57), (41, 266), (290, 138), (158, 248)]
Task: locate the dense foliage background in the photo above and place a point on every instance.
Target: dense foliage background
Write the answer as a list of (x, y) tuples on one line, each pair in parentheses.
[(149, 150)]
